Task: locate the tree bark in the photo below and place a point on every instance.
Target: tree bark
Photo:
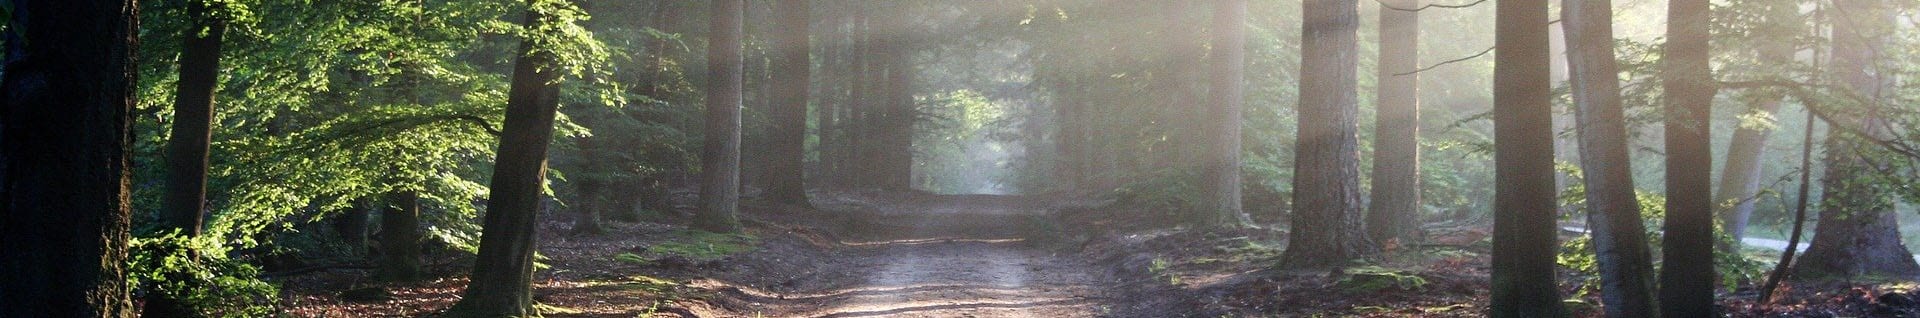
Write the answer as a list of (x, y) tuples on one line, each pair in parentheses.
[(587, 206), (720, 160), (400, 235), (502, 282), (186, 191), (1613, 210), (352, 225), (65, 137), (1686, 278), (1394, 212), (1524, 241), (1858, 234), (1327, 228), (786, 176), (895, 154), (1220, 182)]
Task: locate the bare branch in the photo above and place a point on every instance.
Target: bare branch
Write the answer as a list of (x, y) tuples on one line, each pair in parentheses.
[(1431, 6), (1443, 63)]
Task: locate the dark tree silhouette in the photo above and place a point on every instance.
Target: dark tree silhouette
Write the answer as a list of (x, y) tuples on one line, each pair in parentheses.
[(400, 235), (65, 140), (186, 190), (1524, 241), (1686, 278)]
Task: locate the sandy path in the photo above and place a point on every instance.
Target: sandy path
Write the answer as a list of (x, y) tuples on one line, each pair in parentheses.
[(927, 270)]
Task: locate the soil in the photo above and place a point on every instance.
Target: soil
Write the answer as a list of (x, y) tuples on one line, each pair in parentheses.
[(910, 254)]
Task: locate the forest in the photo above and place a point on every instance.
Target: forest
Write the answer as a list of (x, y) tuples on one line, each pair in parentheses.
[(959, 158)]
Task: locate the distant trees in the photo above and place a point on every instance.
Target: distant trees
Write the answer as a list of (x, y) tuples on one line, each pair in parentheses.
[(1220, 180), (1327, 227), (65, 144), (1524, 233), (1394, 212), (1858, 233), (720, 155), (1613, 208), (1740, 178), (502, 281), (792, 77)]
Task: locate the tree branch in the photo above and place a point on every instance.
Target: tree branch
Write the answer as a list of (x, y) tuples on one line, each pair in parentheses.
[(1444, 63), (1431, 6)]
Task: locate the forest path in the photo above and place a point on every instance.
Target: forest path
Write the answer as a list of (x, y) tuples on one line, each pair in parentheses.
[(960, 256)]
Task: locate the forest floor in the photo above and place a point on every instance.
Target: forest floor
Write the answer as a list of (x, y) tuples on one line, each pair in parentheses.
[(876, 254)]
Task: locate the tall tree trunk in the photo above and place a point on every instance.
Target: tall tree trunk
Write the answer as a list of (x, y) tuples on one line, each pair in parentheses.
[(1740, 178), (720, 159), (1394, 212), (502, 282), (65, 137), (400, 235), (786, 176), (1613, 210), (860, 105), (1858, 234), (1686, 278), (896, 108), (1221, 180), (1524, 241), (1327, 228), (186, 190)]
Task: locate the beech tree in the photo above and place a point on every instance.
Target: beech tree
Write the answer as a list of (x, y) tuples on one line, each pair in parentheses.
[(1524, 241), (65, 145), (186, 191), (1613, 208), (1858, 233), (1327, 228), (502, 283), (1686, 277), (792, 74)]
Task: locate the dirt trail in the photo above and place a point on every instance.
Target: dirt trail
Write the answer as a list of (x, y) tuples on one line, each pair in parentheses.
[(953, 257)]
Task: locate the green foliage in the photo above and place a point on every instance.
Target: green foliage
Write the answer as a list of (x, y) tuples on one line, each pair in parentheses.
[(704, 246), (198, 273)]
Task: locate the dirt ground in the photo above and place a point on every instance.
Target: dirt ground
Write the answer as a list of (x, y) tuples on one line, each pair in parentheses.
[(875, 254)]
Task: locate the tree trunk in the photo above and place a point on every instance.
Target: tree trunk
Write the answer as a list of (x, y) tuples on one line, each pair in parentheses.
[(1394, 212), (1524, 241), (65, 137), (786, 176), (352, 223), (1740, 178), (720, 160), (1327, 228), (1613, 210), (1686, 278), (895, 154), (1220, 183), (503, 272), (400, 235), (186, 190), (587, 207), (1858, 234)]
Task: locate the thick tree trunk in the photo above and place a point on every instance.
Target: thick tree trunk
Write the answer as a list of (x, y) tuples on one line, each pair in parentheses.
[(400, 235), (65, 137), (895, 154), (786, 176), (1327, 228), (186, 191), (352, 225), (503, 272), (1220, 182), (1686, 278), (720, 159), (1613, 210), (1394, 212), (1524, 241), (1858, 234), (587, 207)]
